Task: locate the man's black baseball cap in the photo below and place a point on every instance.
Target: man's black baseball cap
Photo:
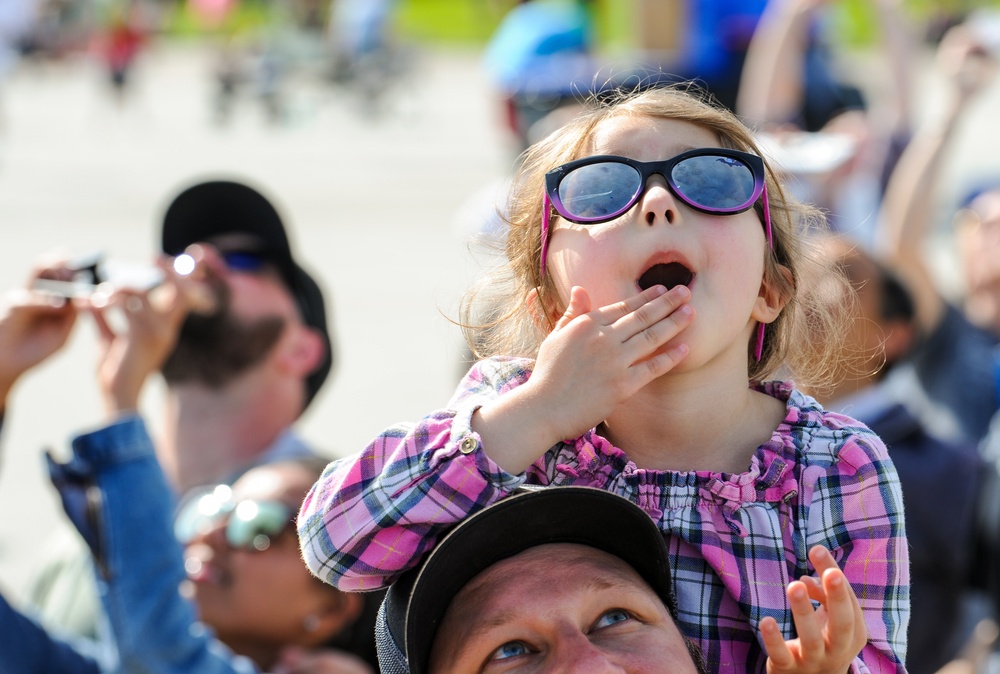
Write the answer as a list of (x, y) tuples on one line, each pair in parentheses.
[(415, 604), (210, 209)]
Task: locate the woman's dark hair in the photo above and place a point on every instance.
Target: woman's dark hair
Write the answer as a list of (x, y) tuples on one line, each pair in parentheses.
[(897, 303), (359, 637)]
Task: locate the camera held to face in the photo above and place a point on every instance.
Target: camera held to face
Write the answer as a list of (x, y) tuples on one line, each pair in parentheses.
[(90, 275)]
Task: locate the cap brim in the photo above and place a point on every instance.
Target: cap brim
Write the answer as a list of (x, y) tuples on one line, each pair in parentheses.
[(581, 515)]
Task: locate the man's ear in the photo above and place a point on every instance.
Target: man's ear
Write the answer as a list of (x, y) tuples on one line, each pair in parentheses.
[(304, 351), (771, 298)]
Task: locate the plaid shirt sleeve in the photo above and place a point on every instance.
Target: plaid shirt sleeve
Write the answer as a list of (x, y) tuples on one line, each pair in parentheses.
[(373, 515)]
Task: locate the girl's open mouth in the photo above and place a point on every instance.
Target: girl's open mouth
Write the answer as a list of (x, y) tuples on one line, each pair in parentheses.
[(669, 275)]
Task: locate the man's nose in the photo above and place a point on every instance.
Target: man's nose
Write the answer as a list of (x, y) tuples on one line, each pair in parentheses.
[(577, 654)]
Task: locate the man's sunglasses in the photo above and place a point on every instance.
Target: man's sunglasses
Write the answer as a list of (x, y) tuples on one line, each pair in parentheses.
[(247, 261), (601, 188), (250, 524)]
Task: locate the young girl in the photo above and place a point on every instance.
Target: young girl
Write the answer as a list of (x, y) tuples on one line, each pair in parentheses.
[(656, 277)]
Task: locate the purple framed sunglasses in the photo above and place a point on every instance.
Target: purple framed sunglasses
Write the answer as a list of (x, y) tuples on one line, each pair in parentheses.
[(597, 189)]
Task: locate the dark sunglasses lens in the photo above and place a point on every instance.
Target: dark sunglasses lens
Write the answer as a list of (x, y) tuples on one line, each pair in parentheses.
[(244, 261), (599, 190), (254, 524), (714, 182)]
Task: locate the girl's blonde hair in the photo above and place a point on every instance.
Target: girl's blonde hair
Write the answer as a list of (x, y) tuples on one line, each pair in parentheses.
[(496, 316)]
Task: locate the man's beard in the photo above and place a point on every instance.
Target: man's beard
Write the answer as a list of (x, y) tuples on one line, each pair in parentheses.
[(214, 349)]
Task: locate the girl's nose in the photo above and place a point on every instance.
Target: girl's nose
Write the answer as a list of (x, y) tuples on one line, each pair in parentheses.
[(658, 203)]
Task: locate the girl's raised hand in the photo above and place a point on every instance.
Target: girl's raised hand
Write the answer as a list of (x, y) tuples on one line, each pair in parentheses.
[(830, 636), (591, 361), (594, 359)]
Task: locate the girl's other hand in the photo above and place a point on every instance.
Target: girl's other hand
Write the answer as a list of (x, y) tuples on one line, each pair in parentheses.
[(830, 636)]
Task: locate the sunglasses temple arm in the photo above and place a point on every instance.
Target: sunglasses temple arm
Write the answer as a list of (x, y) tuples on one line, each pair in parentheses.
[(758, 350), (546, 216), (767, 219)]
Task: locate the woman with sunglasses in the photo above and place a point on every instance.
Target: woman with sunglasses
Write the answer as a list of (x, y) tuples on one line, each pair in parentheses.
[(246, 604), (658, 277)]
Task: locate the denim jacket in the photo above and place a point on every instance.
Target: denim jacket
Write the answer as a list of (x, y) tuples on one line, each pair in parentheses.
[(116, 495)]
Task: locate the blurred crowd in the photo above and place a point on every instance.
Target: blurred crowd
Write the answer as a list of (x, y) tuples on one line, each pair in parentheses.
[(262, 47), (238, 329)]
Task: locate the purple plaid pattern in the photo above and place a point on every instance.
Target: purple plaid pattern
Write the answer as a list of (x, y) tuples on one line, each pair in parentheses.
[(736, 541)]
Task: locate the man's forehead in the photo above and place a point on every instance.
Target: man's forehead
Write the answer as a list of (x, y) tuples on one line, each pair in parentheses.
[(237, 241), (566, 561)]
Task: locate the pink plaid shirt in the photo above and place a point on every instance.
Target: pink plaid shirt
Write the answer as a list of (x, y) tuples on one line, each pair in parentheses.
[(735, 540)]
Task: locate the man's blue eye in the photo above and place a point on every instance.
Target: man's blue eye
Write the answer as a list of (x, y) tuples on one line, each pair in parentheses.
[(612, 617), (511, 649)]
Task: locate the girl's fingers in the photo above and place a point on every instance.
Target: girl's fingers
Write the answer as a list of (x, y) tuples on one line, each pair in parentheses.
[(651, 307), (779, 656), (660, 329), (815, 588), (664, 362), (614, 313), (807, 623), (822, 559), (843, 612), (579, 304)]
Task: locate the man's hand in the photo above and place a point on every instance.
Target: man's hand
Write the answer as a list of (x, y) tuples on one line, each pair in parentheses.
[(33, 326)]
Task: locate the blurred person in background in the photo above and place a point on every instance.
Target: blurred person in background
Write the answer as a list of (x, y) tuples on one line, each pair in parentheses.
[(839, 147), (540, 58), (237, 377), (953, 536), (952, 372), (126, 30), (712, 40), (17, 19), (245, 578)]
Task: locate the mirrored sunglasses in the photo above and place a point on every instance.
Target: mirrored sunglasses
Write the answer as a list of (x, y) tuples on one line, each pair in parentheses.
[(249, 524), (597, 189)]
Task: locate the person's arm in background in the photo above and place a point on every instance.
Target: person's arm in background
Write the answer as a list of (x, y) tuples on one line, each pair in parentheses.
[(772, 84), (32, 328), (899, 46), (907, 206), (115, 492)]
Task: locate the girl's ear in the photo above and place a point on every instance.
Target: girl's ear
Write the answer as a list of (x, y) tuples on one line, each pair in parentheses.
[(543, 313), (772, 297)]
